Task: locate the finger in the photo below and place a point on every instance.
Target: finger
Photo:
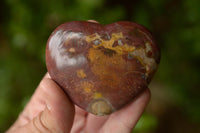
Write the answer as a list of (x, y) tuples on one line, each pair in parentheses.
[(94, 123), (80, 112), (79, 120), (124, 120), (57, 113), (93, 21)]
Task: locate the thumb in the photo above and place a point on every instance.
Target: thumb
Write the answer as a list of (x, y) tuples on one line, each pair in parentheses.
[(49, 110)]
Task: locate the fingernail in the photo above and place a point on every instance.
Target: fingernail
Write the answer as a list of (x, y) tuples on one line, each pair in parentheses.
[(93, 21)]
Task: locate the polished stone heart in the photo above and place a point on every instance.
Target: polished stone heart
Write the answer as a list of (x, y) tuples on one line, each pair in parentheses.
[(102, 68)]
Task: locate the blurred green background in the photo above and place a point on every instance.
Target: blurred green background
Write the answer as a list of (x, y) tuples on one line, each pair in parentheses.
[(25, 26)]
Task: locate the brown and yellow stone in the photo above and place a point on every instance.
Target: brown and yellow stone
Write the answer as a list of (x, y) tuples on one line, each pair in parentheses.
[(102, 68)]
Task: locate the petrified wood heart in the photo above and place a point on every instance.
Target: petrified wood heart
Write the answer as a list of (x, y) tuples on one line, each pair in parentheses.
[(102, 68)]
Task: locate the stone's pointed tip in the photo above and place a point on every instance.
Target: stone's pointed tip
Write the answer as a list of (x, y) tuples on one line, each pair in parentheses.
[(100, 107)]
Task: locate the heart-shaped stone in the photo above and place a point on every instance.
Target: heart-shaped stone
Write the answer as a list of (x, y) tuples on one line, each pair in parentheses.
[(102, 68)]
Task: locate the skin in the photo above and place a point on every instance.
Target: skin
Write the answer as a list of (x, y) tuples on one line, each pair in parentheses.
[(51, 111)]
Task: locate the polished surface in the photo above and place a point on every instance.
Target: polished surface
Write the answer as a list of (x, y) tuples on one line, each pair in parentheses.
[(102, 68)]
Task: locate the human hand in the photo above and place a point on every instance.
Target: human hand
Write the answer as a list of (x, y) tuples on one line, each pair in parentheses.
[(50, 110)]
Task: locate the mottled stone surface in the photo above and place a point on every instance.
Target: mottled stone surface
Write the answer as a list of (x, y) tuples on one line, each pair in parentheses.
[(102, 68)]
